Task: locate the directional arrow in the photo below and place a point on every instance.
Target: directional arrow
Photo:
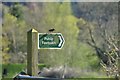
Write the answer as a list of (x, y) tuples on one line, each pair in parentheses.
[(61, 41)]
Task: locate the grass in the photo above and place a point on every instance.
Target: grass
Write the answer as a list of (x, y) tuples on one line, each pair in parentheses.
[(14, 69)]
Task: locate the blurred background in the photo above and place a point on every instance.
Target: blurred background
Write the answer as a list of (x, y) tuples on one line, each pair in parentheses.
[(90, 31)]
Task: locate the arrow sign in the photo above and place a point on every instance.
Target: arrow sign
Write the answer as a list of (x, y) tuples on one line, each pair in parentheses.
[(50, 40)]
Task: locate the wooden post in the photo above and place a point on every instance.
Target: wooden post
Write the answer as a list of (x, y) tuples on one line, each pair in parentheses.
[(32, 52)]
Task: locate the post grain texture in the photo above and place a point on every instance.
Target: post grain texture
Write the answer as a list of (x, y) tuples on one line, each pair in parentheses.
[(32, 52)]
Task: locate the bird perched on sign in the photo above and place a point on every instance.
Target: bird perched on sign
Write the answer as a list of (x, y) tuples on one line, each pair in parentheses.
[(51, 30)]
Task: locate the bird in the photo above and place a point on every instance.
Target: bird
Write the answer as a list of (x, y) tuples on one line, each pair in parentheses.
[(51, 30)]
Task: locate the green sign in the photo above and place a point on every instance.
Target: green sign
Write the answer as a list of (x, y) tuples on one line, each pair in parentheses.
[(50, 40)]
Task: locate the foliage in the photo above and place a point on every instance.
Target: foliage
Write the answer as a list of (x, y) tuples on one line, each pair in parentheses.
[(102, 24), (16, 10), (73, 20), (11, 29), (58, 16), (13, 69)]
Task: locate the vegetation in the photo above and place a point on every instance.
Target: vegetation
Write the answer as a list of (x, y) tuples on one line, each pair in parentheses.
[(89, 30), (14, 69)]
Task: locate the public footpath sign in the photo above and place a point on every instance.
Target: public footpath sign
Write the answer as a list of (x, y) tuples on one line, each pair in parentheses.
[(37, 41), (50, 41)]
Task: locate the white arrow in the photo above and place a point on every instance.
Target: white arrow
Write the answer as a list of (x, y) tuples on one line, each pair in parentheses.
[(60, 44)]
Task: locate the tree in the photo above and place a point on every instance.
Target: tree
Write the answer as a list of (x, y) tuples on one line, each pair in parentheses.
[(59, 17), (16, 10), (13, 31), (102, 34)]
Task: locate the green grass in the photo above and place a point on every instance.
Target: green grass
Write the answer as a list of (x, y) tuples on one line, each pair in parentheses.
[(40, 66), (14, 69)]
